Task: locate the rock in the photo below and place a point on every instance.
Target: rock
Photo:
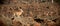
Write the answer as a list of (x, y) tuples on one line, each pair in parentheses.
[(37, 24)]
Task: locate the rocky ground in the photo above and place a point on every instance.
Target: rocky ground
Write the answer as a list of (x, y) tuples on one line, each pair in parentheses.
[(29, 13)]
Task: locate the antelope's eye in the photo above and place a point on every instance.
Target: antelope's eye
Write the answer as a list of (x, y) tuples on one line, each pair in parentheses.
[(12, 19)]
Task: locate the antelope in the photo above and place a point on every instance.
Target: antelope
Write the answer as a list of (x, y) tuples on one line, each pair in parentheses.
[(18, 13)]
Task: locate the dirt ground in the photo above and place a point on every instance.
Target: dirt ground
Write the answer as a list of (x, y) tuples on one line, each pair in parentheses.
[(29, 13)]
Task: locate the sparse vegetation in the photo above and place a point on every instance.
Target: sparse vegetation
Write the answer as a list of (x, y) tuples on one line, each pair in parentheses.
[(29, 13)]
